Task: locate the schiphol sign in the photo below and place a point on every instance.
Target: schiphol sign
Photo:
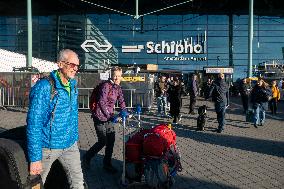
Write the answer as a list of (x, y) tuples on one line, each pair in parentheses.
[(197, 45), (174, 47)]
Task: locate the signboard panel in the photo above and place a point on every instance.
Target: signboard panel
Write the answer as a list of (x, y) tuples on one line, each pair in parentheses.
[(133, 79), (219, 70)]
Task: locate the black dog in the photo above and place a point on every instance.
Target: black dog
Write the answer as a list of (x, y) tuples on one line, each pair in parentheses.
[(201, 119)]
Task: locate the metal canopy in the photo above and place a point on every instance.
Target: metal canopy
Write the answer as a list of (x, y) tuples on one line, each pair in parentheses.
[(55, 7)]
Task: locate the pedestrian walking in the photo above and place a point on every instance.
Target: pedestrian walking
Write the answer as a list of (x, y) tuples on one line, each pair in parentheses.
[(161, 88), (103, 116), (175, 92), (275, 98), (193, 92), (245, 91), (260, 96), (52, 122), (219, 93)]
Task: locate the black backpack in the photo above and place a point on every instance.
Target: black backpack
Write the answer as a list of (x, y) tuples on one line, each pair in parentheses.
[(157, 173)]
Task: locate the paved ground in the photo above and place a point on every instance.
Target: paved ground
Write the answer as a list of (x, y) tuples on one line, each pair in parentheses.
[(240, 157)]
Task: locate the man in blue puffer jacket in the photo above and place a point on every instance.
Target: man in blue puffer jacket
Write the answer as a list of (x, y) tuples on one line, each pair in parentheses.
[(52, 122)]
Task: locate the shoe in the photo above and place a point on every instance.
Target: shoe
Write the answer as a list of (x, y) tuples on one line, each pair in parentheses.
[(86, 163), (110, 169), (218, 130), (261, 124), (255, 125)]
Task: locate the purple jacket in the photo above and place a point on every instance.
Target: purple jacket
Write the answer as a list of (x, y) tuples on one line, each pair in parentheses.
[(109, 93)]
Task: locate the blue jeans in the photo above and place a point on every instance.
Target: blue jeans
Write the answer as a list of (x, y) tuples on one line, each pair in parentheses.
[(220, 109), (259, 114), (162, 103)]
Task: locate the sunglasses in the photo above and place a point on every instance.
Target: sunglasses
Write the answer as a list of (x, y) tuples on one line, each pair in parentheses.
[(71, 65)]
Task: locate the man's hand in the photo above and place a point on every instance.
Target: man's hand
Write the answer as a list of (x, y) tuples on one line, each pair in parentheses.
[(35, 168), (119, 119)]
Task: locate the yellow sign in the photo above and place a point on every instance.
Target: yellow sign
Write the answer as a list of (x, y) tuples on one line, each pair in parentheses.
[(153, 67), (133, 79)]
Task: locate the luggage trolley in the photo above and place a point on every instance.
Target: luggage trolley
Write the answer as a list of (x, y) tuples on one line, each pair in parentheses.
[(140, 158), (124, 180)]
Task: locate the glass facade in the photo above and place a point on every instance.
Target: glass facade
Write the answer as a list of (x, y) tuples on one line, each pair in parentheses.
[(224, 39)]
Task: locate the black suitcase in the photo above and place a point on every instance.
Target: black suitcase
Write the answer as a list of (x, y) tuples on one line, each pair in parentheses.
[(249, 116)]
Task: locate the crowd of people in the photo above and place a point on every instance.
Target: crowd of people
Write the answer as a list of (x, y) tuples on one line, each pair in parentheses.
[(261, 96), (171, 89), (257, 96)]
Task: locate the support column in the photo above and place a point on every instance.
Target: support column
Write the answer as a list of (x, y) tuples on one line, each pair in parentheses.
[(250, 38), (137, 10), (30, 40), (231, 40)]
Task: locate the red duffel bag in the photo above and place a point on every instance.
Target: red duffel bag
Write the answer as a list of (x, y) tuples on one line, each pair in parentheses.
[(159, 141), (133, 148), (166, 133)]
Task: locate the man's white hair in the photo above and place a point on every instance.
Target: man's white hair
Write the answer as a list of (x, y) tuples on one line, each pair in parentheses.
[(62, 55)]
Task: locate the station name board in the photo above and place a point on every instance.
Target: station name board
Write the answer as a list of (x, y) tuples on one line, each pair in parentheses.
[(179, 49), (219, 70)]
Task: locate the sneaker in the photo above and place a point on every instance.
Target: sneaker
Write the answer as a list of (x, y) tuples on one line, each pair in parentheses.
[(219, 130), (255, 125), (110, 169)]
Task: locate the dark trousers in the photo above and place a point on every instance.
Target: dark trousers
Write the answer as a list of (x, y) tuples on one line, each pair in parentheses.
[(245, 101), (273, 105), (106, 137), (220, 109), (192, 103)]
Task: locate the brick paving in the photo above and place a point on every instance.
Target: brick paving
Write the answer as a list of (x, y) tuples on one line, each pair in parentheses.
[(240, 157)]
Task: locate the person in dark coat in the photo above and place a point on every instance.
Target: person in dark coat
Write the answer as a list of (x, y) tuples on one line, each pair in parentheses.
[(193, 92), (259, 98), (219, 93), (206, 87), (245, 91), (175, 92)]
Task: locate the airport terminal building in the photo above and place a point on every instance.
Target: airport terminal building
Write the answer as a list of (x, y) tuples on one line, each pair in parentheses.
[(183, 37)]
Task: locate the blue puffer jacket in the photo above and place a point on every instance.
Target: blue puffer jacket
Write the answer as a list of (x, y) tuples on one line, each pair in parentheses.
[(44, 130)]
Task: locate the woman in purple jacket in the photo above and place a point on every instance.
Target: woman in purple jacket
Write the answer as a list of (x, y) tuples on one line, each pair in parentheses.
[(103, 116)]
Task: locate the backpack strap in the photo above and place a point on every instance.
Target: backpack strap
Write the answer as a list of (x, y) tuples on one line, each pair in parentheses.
[(53, 92)]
